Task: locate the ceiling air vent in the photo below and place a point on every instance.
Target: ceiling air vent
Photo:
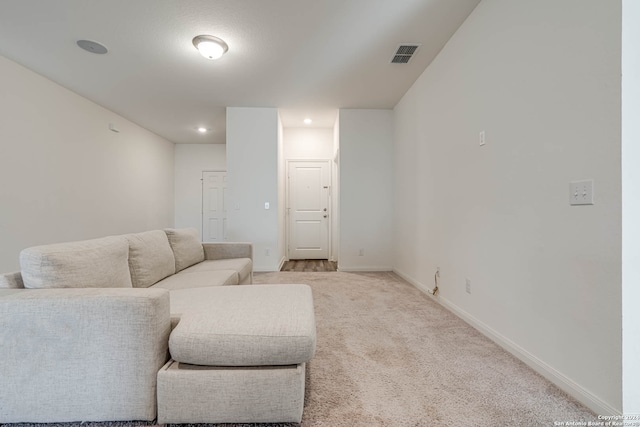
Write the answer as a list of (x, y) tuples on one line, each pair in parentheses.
[(404, 53)]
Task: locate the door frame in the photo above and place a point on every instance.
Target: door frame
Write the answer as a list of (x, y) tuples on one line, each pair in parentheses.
[(287, 208), (202, 198)]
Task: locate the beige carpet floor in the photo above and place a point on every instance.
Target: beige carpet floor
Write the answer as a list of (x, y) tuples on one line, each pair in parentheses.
[(388, 355)]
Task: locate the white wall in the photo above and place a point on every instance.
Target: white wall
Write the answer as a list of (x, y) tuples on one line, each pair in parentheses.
[(366, 190), (65, 176), (543, 80), (252, 172), (308, 143), (190, 161), (631, 206)]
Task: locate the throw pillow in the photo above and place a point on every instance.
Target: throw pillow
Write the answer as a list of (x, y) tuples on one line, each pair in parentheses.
[(150, 258), (186, 245)]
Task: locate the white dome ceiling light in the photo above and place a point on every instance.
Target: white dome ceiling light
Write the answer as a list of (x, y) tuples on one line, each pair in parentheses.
[(210, 47)]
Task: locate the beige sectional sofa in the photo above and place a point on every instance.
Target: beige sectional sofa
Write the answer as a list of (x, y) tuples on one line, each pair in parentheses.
[(141, 326)]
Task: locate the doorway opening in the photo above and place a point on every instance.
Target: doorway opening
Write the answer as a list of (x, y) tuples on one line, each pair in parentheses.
[(309, 155)]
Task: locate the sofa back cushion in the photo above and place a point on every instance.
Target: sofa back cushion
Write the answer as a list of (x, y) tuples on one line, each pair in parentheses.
[(186, 245), (150, 258), (11, 281), (98, 263)]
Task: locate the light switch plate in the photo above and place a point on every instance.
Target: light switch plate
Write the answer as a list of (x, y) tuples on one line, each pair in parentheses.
[(581, 192)]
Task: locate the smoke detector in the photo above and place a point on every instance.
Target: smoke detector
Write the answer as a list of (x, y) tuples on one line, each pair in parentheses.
[(91, 46)]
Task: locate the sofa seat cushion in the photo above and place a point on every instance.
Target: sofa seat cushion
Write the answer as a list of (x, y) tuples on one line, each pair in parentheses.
[(186, 245), (244, 267), (245, 326), (150, 258), (13, 291), (98, 263), (198, 279)]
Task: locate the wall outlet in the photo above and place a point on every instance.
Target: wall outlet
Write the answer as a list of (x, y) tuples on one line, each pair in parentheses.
[(267, 251), (482, 139), (361, 252), (468, 285)]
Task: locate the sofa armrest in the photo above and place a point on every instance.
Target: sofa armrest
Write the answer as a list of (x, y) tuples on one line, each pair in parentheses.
[(227, 250), (82, 354)]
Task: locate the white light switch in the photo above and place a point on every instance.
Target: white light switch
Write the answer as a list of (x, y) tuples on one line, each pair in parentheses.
[(581, 192), (266, 205), (482, 138)]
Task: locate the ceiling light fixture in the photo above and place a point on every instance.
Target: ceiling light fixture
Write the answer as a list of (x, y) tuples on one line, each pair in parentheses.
[(307, 121), (210, 47), (202, 129)]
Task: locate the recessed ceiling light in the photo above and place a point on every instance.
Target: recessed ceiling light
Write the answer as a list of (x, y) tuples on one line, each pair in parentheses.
[(202, 129), (93, 47), (210, 47), (307, 121)]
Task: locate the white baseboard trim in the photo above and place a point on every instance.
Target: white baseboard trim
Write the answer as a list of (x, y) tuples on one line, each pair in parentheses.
[(271, 268), (415, 283), (566, 384), (363, 269)]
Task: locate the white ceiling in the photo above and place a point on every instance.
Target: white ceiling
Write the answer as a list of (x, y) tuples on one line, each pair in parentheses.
[(307, 55)]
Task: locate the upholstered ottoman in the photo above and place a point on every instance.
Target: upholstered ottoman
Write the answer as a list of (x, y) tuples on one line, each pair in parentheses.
[(239, 356)]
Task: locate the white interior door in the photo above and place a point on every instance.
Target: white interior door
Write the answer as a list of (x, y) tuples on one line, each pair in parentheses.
[(309, 191), (214, 211)]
